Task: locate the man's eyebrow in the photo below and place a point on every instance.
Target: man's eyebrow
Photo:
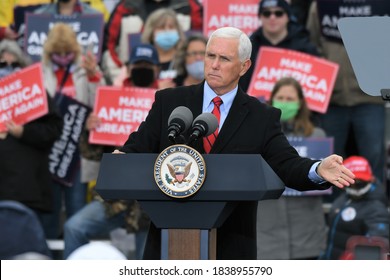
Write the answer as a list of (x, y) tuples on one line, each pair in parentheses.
[(224, 56)]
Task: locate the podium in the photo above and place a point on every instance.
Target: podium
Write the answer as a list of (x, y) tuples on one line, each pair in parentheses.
[(188, 226)]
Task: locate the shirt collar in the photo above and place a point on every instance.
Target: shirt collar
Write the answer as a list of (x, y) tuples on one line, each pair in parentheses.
[(227, 98)]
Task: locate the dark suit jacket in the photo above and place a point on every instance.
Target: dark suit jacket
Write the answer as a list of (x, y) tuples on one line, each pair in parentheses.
[(251, 127)]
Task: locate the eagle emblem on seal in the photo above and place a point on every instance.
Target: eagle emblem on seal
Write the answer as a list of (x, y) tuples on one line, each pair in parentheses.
[(179, 170)]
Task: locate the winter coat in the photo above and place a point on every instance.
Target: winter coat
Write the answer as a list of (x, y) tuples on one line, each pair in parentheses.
[(367, 216), (24, 162)]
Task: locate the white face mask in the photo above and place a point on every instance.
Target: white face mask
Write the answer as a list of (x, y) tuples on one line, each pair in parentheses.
[(358, 192), (196, 69)]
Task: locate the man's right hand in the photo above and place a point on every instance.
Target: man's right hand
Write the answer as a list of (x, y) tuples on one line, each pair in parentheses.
[(116, 151)]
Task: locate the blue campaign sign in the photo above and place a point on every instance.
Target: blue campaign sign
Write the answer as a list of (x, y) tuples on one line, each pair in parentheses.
[(330, 11), (314, 148), (88, 28), (64, 158)]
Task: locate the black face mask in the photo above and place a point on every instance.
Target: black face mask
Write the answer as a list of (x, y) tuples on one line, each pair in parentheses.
[(142, 77), (7, 69), (359, 185)]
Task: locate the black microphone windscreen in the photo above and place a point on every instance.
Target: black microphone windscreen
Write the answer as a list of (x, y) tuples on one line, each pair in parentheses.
[(182, 113), (210, 120)]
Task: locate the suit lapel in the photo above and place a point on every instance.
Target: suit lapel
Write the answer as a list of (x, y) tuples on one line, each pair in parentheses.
[(234, 119), (195, 103)]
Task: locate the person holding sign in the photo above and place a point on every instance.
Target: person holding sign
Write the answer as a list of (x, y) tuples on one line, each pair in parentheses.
[(246, 126), (24, 149), (72, 79), (292, 227), (278, 30), (12, 58), (351, 114), (98, 218)]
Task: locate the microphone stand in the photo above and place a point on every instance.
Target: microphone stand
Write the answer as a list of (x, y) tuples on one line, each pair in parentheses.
[(191, 139), (180, 140)]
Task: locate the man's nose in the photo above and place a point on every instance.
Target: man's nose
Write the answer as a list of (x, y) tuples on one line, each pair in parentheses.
[(215, 63)]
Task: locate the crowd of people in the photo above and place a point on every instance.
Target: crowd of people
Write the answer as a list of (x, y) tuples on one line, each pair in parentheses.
[(170, 52)]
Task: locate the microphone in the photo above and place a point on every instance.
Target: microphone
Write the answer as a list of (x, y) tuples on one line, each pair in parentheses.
[(204, 125), (179, 121)]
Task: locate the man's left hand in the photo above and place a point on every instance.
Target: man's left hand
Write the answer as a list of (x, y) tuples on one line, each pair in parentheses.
[(332, 170)]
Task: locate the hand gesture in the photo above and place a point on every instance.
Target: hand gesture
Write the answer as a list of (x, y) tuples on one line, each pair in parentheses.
[(333, 171), (14, 129), (92, 122), (89, 63)]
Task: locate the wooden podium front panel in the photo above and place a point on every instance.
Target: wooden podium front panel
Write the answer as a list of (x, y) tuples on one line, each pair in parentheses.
[(186, 244)]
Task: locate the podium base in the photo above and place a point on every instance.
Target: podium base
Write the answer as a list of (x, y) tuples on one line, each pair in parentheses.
[(188, 244)]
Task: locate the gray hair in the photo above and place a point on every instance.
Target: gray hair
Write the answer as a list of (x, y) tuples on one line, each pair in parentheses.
[(157, 19), (12, 47), (244, 43)]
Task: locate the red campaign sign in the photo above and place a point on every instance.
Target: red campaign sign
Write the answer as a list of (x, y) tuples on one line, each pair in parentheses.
[(316, 75), (22, 96), (121, 111), (241, 14)]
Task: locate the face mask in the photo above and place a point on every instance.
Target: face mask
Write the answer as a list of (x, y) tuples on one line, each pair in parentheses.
[(289, 109), (62, 60), (358, 190), (167, 39), (196, 69), (142, 77)]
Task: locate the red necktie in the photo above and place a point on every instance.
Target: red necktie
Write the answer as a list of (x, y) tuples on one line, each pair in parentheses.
[(209, 140)]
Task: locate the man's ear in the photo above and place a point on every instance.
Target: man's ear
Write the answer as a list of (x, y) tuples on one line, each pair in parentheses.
[(245, 66)]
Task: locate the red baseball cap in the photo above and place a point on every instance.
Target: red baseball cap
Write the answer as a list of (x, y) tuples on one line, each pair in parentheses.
[(360, 167)]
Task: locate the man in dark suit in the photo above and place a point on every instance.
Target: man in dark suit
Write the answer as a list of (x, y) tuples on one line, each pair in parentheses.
[(246, 126)]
